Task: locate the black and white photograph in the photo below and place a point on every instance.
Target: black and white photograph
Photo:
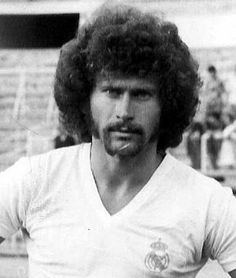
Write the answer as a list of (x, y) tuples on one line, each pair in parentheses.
[(117, 138)]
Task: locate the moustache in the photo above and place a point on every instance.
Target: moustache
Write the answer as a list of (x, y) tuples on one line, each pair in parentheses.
[(125, 127)]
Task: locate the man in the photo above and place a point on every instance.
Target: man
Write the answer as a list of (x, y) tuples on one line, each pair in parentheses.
[(193, 144), (215, 95), (120, 206)]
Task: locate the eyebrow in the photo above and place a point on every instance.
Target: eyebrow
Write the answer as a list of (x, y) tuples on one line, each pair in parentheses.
[(148, 88), (143, 91)]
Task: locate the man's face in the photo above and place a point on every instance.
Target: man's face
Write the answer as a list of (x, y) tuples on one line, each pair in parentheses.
[(125, 114)]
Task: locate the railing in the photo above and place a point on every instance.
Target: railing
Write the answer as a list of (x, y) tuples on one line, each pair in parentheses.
[(26, 101), (20, 94)]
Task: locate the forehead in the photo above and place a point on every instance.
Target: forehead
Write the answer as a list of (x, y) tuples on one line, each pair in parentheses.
[(126, 82)]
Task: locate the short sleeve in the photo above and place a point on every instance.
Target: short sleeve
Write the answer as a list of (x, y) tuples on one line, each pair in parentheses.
[(14, 197), (221, 228)]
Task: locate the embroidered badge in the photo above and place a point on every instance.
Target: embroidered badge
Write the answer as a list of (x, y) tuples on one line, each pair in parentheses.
[(158, 259)]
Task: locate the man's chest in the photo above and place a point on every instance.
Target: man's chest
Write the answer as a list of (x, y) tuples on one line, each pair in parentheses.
[(146, 244), (115, 200)]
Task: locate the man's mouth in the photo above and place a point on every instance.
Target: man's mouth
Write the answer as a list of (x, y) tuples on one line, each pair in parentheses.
[(126, 130), (125, 133)]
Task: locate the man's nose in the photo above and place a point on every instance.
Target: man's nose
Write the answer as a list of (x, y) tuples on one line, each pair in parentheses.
[(124, 110)]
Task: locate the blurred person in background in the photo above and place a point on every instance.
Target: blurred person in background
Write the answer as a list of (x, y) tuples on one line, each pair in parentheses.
[(231, 87), (215, 103), (193, 144), (227, 157), (214, 126), (217, 97), (119, 205)]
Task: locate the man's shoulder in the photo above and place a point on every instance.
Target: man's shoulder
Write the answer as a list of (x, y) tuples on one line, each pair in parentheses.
[(61, 156), (187, 177), (62, 152), (199, 191)]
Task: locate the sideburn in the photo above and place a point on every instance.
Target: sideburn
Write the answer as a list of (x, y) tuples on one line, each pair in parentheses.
[(92, 125), (88, 122)]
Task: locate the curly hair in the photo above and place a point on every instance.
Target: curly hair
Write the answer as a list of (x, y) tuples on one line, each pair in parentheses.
[(125, 40)]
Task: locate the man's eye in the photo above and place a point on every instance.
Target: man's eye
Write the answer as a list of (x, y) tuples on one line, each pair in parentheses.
[(113, 92)]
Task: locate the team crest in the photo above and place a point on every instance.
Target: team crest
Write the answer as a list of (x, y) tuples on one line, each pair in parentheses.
[(158, 259)]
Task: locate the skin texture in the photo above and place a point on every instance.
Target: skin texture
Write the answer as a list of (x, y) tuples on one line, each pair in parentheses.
[(126, 113)]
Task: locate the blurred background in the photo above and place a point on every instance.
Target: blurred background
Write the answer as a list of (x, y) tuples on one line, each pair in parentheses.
[(31, 34)]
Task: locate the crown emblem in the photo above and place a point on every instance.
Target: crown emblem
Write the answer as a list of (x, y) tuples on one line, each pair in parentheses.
[(157, 259)]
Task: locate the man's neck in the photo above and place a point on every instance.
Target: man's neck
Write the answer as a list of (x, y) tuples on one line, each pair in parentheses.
[(115, 171)]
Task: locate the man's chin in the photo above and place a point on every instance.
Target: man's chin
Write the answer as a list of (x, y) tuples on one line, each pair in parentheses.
[(123, 150)]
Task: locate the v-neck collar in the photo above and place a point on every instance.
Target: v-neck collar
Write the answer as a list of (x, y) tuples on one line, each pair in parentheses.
[(93, 196)]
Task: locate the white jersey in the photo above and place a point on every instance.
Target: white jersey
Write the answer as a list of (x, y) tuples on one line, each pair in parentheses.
[(169, 229)]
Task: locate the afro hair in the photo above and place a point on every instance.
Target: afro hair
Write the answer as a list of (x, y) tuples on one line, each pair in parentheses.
[(124, 40)]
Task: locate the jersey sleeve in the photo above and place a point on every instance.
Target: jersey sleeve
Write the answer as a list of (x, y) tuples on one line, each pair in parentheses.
[(221, 228), (14, 197)]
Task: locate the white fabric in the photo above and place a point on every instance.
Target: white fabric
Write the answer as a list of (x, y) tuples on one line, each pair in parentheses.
[(172, 226)]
